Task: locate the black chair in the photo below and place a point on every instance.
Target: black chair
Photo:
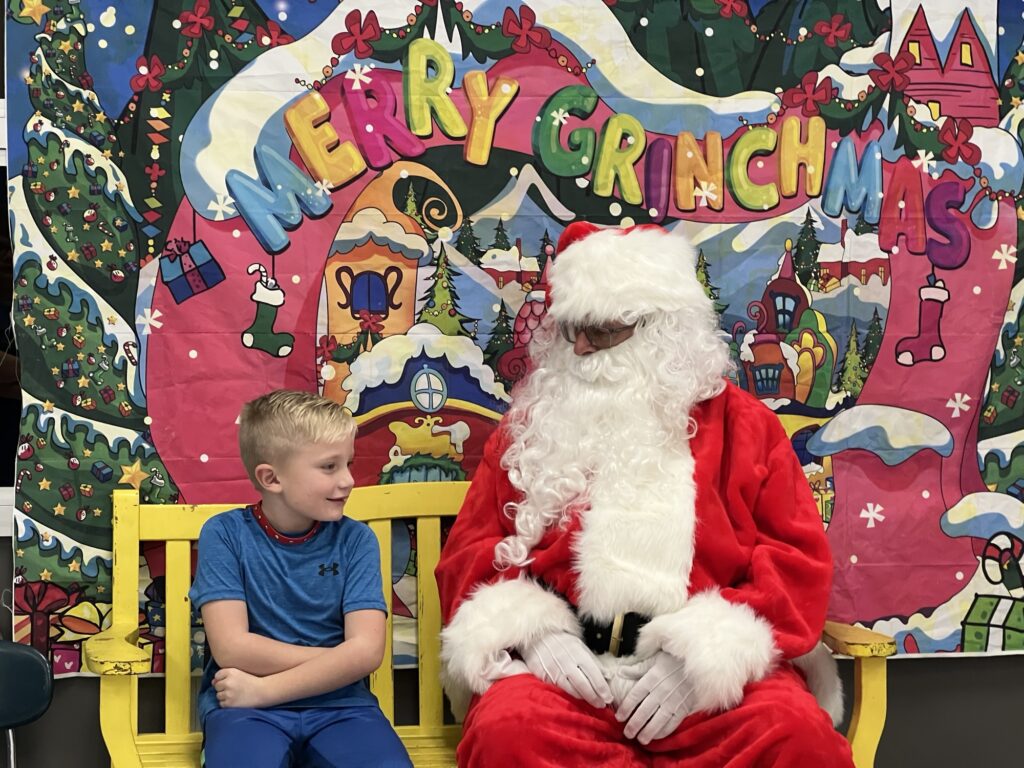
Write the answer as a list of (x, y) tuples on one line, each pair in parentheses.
[(26, 688)]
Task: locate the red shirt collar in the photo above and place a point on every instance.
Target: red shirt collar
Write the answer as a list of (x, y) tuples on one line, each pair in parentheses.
[(276, 535)]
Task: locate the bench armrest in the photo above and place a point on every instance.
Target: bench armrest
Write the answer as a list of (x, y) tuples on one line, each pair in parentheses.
[(856, 641), (115, 651)]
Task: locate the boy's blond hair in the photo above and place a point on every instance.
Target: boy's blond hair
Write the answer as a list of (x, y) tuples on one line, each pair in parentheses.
[(273, 425)]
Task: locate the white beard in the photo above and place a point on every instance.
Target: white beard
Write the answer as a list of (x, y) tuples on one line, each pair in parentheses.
[(608, 433)]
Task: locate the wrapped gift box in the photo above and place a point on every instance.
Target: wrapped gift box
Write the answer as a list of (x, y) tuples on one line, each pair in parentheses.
[(994, 624), (189, 269), (101, 471)]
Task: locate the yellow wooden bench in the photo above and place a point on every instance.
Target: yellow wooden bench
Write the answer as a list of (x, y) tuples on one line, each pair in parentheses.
[(116, 656)]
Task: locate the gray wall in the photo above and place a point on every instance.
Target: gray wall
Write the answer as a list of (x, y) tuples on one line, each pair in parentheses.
[(942, 712)]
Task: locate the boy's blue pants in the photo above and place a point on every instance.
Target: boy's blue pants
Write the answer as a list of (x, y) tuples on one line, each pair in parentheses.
[(331, 737)]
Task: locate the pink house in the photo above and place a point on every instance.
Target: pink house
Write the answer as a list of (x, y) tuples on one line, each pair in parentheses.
[(963, 85)]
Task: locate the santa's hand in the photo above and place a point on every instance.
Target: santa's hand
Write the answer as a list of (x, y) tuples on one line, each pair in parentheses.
[(562, 659), (657, 703)]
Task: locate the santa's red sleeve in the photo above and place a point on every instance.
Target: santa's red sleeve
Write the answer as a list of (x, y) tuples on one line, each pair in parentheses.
[(734, 634), (487, 611)]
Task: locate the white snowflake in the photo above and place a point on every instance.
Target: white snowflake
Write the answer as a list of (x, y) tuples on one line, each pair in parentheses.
[(359, 77), (1005, 255), (559, 117), (223, 207), (706, 192), (323, 187), (873, 514), (925, 161), (959, 403), (149, 320)]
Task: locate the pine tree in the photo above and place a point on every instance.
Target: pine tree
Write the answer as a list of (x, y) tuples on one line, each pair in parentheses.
[(862, 227), (412, 205), (805, 255), (441, 307), (501, 237), (500, 342), (1011, 90), (851, 372), (547, 249), (872, 341), (710, 290), (468, 244)]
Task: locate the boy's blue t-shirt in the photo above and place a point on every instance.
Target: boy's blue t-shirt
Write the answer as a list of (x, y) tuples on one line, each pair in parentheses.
[(295, 593)]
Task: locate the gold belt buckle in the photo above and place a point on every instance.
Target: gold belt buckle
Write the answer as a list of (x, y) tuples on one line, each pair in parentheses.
[(616, 638)]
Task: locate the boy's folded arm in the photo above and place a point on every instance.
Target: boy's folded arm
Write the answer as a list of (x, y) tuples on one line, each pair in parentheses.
[(360, 654), (234, 646)]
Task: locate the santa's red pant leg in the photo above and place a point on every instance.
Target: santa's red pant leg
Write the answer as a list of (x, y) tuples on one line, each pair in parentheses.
[(522, 721)]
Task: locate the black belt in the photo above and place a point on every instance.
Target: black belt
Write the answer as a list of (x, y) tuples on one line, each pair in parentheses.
[(617, 637)]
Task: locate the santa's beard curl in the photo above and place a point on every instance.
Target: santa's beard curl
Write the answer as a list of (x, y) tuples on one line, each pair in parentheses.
[(615, 413)]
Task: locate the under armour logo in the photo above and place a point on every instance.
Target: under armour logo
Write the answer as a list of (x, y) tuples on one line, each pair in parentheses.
[(325, 569)]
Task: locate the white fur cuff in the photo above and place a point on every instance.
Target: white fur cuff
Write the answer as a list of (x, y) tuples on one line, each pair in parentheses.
[(724, 645), (499, 616)]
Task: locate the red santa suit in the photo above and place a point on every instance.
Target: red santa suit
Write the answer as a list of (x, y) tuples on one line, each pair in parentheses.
[(734, 579)]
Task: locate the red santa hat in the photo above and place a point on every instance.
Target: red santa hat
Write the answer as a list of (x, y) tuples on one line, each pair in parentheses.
[(606, 274)]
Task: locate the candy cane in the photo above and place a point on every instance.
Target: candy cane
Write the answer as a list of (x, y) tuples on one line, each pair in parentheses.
[(21, 476), (265, 278)]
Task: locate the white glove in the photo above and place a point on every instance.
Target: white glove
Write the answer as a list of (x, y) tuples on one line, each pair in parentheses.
[(657, 703), (502, 665), (562, 659)]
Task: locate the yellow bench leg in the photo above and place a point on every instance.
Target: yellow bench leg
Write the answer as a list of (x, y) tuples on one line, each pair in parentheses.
[(869, 709), (118, 695)]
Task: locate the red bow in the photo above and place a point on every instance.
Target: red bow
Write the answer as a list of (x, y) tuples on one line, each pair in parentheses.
[(809, 94), (359, 36), (729, 7), (835, 30), (154, 171), (523, 28), (324, 349), (196, 21), (39, 600), (273, 34), (175, 248), (151, 78), (891, 75), (956, 135), (369, 321)]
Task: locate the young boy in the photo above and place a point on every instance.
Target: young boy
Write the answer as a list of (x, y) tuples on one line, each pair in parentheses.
[(290, 593)]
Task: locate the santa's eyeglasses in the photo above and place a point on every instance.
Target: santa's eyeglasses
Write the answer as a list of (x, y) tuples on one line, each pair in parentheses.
[(600, 336)]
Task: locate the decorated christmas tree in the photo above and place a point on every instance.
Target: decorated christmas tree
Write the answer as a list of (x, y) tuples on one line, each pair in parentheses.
[(710, 290), (805, 255), (1011, 89), (412, 206), (501, 341), (192, 48), (501, 240), (706, 45), (84, 428), (468, 244), (441, 301), (851, 371), (872, 341), (800, 36)]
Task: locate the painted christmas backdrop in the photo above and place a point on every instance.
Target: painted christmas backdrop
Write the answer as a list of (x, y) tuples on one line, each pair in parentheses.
[(213, 198)]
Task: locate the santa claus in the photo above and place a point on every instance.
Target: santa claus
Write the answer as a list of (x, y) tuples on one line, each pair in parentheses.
[(639, 575)]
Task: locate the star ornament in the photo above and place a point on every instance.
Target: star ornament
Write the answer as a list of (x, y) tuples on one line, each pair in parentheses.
[(133, 475), (33, 9)]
